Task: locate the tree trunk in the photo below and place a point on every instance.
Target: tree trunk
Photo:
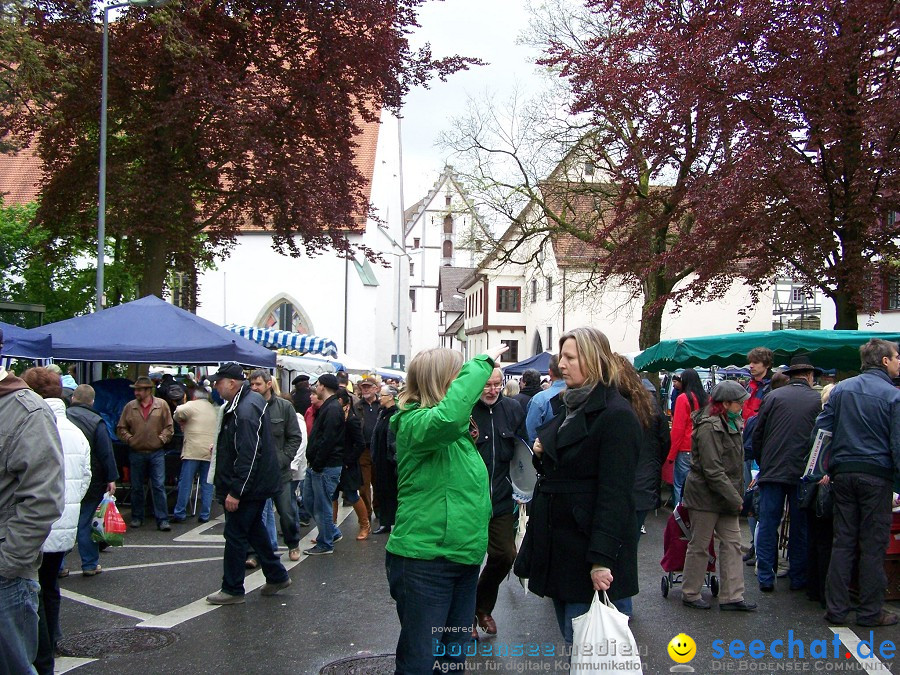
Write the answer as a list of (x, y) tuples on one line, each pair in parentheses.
[(846, 312), (154, 267)]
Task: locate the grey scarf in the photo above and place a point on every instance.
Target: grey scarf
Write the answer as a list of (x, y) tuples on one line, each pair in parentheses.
[(574, 399)]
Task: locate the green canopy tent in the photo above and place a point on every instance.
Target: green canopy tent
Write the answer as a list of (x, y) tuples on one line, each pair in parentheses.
[(828, 349)]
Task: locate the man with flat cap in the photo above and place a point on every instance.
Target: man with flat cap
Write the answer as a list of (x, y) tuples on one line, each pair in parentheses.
[(247, 474), (781, 442), (301, 394), (146, 426)]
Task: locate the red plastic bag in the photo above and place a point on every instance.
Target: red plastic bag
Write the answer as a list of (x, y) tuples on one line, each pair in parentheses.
[(108, 525)]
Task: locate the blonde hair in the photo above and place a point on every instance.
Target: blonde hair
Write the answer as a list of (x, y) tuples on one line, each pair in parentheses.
[(429, 376), (511, 389), (826, 392), (595, 356)]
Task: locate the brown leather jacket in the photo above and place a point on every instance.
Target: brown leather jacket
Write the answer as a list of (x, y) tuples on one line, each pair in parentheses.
[(146, 435)]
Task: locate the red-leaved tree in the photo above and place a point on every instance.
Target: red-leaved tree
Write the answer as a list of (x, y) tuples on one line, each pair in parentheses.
[(221, 114)]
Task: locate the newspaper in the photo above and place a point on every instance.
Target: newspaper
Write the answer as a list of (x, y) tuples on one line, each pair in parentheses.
[(816, 464)]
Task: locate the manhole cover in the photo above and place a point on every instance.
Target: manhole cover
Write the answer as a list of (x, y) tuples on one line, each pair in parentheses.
[(99, 643), (381, 664)]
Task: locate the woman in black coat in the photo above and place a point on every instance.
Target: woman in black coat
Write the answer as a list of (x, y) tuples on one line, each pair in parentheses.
[(384, 456), (582, 532)]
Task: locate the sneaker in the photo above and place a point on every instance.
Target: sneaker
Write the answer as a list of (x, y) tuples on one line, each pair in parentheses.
[(92, 572), (337, 537), (135, 522), (319, 550), (294, 554), (164, 526), (272, 589), (223, 598), (643, 529)]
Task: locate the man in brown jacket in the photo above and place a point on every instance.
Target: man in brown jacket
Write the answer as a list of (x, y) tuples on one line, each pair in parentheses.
[(146, 426)]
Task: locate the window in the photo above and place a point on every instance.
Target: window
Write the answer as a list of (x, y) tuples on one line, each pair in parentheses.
[(437, 300), (447, 200), (892, 292), (549, 289), (417, 242), (448, 224), (447, 249), (478, 245), (412, 269), (550, 338), (588, 168), (533, 291), (512, 356), (509, 299), (797, 294), (412, 299)]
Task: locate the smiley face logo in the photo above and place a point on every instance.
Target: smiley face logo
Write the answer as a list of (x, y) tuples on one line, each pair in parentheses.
[(682, 648)]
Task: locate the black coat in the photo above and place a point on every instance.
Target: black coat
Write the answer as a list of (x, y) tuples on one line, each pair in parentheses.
[(246, 461), (783, 428), (327, 441), (103, 460), (654, 451), (498, 427), (354, 444), (583, 510)]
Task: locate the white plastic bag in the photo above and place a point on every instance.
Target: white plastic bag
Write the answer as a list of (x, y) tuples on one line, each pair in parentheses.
[(602, 641), (521, 526)]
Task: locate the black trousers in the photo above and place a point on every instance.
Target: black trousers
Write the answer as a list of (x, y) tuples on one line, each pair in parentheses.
[(385, 486), (501, 554), (819, 535), (862, 521), (48, 614), (244, 528)]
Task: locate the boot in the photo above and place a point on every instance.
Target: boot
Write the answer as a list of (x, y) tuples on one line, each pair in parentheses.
[(362, 515)]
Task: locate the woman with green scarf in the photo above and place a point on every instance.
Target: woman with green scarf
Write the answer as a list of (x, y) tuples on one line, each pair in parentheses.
[(713, 493)]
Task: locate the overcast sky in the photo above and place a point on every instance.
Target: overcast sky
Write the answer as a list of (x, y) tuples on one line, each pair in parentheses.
[(486, 29)]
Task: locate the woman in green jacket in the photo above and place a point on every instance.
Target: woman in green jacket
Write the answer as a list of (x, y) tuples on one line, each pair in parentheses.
[(440, 534)]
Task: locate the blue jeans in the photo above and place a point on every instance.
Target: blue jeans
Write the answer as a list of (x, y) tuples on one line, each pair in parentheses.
[(189, 469), (318, 488), (565, 612), (751, 520), (156, 462), (268, 519), (18, 624), (88, 550), (436, 607), (771, 508), (244, 528), (302, 513), (681, 470)]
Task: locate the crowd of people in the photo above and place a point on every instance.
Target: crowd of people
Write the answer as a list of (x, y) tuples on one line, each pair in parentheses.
[(429, 459)]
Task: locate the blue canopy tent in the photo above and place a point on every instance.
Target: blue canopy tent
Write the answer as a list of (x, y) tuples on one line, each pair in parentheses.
[(540, 362), (22, 343), (151, 330)]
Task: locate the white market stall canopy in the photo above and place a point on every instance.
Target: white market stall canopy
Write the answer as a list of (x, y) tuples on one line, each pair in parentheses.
[(285, 339), (302, 364)]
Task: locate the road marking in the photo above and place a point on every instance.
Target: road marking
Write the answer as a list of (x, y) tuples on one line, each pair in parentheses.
[(169, 546), (160, 564), (63, 664), (109, 607), (851, 641)]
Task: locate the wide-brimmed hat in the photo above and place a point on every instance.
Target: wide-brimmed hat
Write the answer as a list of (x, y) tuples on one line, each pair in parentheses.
[(801, 364), (729, 390), (230, 370), (143, 382)]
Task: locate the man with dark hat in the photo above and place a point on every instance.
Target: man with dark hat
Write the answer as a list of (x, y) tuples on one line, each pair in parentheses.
[(781, 444), (247, 474), (32, 491), (146, 426)]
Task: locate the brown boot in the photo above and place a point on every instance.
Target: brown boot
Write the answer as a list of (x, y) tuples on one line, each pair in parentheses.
[(363, 517)]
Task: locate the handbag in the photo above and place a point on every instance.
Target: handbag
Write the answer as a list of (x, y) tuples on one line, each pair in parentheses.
[(108, 526), (806, 493), (602, 641), (525, 541), (521, 529)]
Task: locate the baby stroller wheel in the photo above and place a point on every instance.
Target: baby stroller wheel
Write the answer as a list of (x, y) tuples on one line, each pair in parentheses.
[(714, 585), (664, 587)]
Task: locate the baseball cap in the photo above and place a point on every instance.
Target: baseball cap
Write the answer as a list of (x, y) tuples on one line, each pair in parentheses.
[(231, 370)]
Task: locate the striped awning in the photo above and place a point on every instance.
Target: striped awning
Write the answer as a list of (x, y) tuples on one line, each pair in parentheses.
[(282, 338)]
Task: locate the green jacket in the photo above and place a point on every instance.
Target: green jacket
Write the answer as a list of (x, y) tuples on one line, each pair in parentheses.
[(444, 501)]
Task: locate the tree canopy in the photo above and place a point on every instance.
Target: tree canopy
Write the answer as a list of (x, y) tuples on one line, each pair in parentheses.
[(222, 114)]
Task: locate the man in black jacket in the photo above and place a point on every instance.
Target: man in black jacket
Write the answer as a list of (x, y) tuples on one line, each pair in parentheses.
[(246, 475), (103, 472), (498, 420), (325, 458), (781, 444)]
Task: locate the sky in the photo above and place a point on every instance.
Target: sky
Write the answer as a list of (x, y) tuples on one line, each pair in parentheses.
[(485, 29)]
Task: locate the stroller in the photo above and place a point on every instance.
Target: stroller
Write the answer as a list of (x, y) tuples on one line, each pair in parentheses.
[(675, 542)]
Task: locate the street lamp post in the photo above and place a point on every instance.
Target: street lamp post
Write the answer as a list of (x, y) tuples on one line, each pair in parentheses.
[(104, 85)]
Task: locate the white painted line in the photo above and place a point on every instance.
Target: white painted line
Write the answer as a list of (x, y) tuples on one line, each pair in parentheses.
[(159, 564), (63, 664), (851, 641), (109, 607), (251, 583), (171, 547)]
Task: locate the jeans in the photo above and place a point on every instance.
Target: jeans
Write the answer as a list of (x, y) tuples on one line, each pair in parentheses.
[(771, 508), (156, 461), (18, 624), (189, 469), (565, 612), (436, 607), (88, 550), (318, 488), (243, 528), (751, 520), (286, 505), (862, 523), (303, 514), (681, 470), (268, 521)]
